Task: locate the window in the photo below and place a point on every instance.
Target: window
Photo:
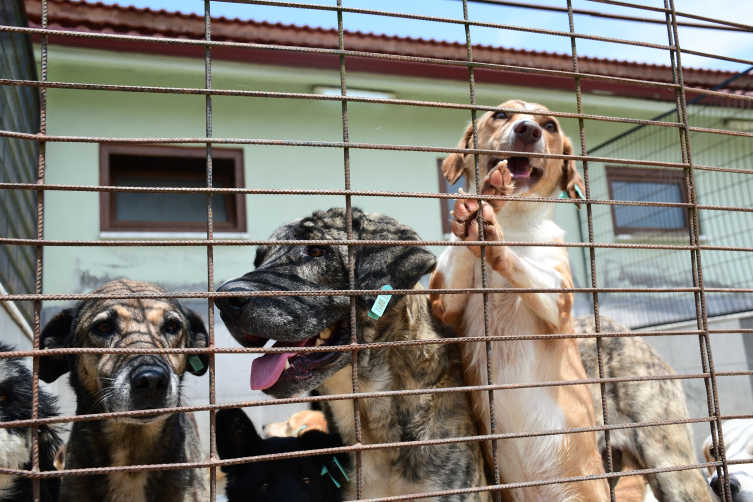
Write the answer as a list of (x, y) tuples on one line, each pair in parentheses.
[(647, 185), (447, 204), (157, 166)]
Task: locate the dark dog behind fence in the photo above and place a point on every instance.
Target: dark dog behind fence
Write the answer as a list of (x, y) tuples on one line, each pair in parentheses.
[(681, 120)]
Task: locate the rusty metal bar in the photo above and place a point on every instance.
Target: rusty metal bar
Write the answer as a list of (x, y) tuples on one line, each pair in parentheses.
[(447, 20), (323, 144), (210, 255), (320, 97), (484, 276), (604, 15), (351, 257), (592, 254), (35, 467), (364, 395), (695, 255), (360, 346)]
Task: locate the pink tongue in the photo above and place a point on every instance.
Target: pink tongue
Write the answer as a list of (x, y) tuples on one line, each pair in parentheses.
[(266, 370), (525, 174)]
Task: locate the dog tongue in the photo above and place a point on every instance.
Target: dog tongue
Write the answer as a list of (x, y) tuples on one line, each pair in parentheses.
[(266, 370)]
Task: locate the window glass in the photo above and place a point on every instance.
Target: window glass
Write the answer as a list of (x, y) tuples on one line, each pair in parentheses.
[(650, 218), (167, 206)]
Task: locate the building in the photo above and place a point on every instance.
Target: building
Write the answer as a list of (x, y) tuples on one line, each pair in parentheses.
[(73, 215)]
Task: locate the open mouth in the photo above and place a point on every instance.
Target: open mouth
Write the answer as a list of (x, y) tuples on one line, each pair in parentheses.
[(523, 173), (270, 368)]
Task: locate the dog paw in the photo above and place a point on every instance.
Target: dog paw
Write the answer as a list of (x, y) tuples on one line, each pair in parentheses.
[(465, 223), (498, 182)]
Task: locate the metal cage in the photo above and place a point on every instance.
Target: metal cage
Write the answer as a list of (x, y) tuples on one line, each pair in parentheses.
[(696, 127)]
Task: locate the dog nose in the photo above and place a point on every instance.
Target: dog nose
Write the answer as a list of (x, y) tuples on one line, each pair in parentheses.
[(150, 381), (233, 303), (527, 131), (717, 486)]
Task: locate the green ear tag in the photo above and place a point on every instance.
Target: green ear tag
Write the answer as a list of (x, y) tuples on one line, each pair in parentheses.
[(577, 190), (380, 304), (195, 363), (341, 468), (326, 471)]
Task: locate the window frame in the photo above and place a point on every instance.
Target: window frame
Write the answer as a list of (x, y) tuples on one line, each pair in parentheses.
[(667, 176), (235, 203)]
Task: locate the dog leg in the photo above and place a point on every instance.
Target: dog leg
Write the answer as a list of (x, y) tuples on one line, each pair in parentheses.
[(519, 271)]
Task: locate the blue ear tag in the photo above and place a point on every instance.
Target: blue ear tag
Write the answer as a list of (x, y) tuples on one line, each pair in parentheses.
[(195, 363), (380, 304), (299, 429), (341, 468)]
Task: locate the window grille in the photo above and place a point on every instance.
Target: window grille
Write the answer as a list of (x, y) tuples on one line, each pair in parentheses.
[(698, 126)]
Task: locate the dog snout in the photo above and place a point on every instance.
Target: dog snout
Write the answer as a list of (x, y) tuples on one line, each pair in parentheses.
[(232, 303), (527, 131), (717, 486), (151, 382)]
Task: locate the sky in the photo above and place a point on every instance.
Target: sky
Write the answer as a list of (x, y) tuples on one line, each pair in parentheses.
[(725, 43)]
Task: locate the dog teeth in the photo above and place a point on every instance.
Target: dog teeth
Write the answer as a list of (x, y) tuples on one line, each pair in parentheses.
[(326, 333), (319, 342), (287, 364)]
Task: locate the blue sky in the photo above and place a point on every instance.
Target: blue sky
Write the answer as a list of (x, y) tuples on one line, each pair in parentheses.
[(725, 43)]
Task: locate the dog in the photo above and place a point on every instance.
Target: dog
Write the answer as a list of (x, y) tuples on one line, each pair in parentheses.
[(636, 402), (105, 383), (298, 423), (15, 443), (738, 445), (303, 479), (513, 314), (325, 321)]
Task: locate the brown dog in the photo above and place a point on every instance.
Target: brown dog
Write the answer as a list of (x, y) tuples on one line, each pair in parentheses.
[(106, 383), (516, 314)]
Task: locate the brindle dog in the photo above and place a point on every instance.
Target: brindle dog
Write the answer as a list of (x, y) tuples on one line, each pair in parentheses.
[(325, 321), (636, 402), (127, 382)]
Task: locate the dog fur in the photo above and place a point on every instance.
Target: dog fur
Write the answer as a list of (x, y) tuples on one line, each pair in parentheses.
[(298, 423), (299, 479), (648, 401), (387, 472), (15, 443), (113, 382), (530, 409), (738, 445)]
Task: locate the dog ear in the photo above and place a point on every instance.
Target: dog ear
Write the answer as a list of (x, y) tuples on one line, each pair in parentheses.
[(570, 175), (199, 339), (318, 440), (236, 435), (55, 336), (454, 164), (400, 267)]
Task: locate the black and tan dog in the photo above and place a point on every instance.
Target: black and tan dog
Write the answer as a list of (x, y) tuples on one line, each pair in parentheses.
[(127, 382), (15, 443), (324, 321)]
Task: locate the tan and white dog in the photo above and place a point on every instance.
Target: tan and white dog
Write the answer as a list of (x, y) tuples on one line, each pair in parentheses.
[(516, 314)]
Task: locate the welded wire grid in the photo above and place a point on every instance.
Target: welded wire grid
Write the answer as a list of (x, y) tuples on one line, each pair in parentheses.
[(693, 244)]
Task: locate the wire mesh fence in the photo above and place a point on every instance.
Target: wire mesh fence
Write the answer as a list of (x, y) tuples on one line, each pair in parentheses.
[(686, 199)]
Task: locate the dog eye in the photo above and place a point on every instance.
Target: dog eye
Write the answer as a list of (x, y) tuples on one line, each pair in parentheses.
[(316, 251), (3, 396), (500, 116), (104, 328), (264, 486), (551, 127), (171, 327), (306, 480)]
